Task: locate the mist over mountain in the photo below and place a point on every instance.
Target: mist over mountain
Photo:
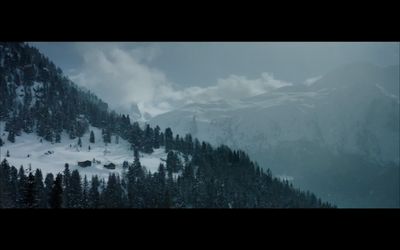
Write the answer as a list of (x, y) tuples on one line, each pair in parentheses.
[(337, 136), (244, 142), (63, 147)]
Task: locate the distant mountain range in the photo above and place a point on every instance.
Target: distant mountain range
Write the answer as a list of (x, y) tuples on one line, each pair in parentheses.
[(337, 136)]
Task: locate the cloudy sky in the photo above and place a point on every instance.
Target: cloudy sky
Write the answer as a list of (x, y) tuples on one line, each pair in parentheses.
[(164, 75)]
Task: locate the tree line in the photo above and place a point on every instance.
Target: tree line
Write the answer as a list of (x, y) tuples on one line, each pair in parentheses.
[(212, 178)]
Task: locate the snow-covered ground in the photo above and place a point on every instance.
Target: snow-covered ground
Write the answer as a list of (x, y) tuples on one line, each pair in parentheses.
[(51, 157)]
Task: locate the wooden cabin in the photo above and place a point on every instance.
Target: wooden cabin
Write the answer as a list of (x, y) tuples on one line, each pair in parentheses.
[(84, 164), (110, 166)]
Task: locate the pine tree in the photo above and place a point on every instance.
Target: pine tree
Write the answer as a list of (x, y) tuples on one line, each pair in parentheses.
[(48, 136), (112, 196), (91, 139), (169, 140), (148, 140), (8, 154), (160, 185), (11, 136), (123, 190), (196, 146), (85, 193), (21, 187), (162, 139), (167, 202), (75, 190), (8, 126), (58, 138), (173, 162), (187, 185), (156, 137), (79, 142), (1, 142), (48, 182), (94, 194), (135, 185), (66, 186), (56, 193), (177, 143), (39, 188), (188, 148), (136, 136), (136, 160), (199, 189), (106, 135), (30, 199), (4, 175), (131, 179), (13, 187), (161, 174)]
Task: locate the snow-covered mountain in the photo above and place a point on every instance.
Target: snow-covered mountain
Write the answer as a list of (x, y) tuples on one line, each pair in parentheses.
[(336, 136), (319, 133), (47, 121), (43, 115)]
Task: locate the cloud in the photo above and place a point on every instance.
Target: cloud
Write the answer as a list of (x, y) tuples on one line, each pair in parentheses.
[(121, 76), (312, 80), (234, 87)]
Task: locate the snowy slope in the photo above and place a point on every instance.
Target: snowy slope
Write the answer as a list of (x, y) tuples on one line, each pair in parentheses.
[(337, 132), (69, 152)]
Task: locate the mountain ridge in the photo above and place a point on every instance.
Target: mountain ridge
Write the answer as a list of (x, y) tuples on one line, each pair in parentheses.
[(194, 173), (340, 113)]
